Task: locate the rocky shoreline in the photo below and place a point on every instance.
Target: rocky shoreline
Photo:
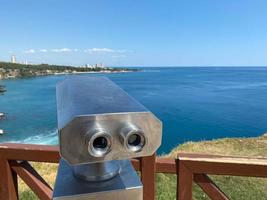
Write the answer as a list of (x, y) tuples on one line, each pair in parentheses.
[(10, 70), (17, 74)]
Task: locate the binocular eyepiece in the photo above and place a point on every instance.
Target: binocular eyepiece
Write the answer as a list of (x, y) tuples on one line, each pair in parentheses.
[(133, 138), (100, 141)]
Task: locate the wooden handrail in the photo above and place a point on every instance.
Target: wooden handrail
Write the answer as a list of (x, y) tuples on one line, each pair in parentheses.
[(188, 168), (10, 153), (50, 154), (195, 167), (30, 152)]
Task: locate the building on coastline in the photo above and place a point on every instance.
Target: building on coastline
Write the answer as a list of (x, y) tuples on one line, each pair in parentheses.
[(100, 65), (25, 62), (13, 59), (93, 66), (89, 66)]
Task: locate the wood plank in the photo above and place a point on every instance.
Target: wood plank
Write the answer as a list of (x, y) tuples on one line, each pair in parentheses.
[(47, 153), (15, 181), (230, 169), (8, 183), (30, 152), (223, 159), (148, 177), (209, 187), (184, 182), (136, 164), (33, 180), (165, 165)]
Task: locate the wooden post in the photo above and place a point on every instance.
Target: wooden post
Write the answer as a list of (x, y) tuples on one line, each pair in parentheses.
[(184, 181), (8, 181), (148, 176)]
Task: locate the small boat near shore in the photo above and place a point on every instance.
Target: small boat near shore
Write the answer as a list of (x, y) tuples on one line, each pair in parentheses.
[(1, 132), (2, 89), (2, 115)]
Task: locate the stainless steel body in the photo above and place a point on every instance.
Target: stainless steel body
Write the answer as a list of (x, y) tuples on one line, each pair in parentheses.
[(101, 127), (126, 185), (94, 106), (97, 171)]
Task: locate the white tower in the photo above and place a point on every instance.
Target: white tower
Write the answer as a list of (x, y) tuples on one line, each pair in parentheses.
[(13, 59)]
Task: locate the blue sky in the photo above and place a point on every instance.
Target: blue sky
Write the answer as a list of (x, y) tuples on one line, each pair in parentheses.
[(135, 32)]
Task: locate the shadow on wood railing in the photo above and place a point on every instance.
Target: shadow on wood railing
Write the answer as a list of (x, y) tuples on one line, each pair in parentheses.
[(188, 168)]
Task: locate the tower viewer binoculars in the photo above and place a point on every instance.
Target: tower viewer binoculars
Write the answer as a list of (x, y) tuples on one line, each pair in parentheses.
[(100, 128)]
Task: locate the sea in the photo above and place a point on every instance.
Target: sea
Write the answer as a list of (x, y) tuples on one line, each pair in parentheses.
[(194, 103)]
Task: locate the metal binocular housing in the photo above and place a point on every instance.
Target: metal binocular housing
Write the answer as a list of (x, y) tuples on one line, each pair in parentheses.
[(100, 128)]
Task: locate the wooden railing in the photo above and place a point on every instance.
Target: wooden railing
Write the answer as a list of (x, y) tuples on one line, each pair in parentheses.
[(189, 168), (195, 167)]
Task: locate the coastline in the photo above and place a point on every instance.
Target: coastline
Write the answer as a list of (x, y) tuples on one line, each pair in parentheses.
[(14, 70), (65, 73), (15, 74), (92, 72)]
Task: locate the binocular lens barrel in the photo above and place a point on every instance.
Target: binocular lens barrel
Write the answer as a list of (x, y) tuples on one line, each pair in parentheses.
[(133, 138), (99, 142), (135, 141)]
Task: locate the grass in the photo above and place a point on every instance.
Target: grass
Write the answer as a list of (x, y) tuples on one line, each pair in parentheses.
[(237, 188)]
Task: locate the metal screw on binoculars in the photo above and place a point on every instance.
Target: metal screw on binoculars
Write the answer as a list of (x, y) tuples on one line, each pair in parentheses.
[(100, 128)]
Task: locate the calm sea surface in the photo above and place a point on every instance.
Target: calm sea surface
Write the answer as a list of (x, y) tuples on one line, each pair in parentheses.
[(193, 103)]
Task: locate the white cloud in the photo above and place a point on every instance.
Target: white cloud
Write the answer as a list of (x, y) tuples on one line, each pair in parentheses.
[(30, 51), (122, 51), (99, 50), (61, 50), (119, 56), (105, 50), (90, 50)]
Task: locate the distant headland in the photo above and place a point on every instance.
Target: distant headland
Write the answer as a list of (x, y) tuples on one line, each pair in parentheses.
[(15, 70)]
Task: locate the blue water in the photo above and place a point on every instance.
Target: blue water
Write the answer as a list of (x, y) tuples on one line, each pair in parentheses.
[(193, 103)]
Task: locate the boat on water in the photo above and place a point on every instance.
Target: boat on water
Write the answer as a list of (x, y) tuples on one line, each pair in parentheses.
[(1, 131), (2, 115), (2, 89)]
